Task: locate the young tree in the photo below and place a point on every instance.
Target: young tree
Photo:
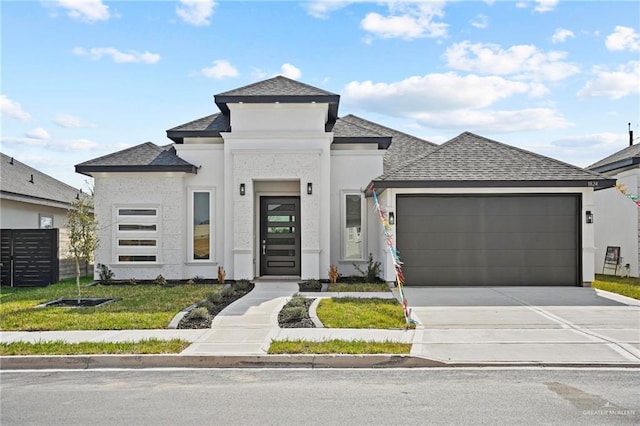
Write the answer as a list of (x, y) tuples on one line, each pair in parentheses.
[(83, 239)]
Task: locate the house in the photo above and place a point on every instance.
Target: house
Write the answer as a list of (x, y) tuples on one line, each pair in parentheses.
[(277, 184), (32, 200), (617, 218)]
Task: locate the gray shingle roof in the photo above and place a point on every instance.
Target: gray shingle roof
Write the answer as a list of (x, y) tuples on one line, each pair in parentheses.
[(403, 147), (277, 86), (209, 126), (146, 157), (15, 179), (472, 160), (623, 158)]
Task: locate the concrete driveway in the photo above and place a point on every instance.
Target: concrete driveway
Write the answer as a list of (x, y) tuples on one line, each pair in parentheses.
[(525, 324)]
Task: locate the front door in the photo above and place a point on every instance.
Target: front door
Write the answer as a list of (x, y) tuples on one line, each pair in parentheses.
[(280, 235)]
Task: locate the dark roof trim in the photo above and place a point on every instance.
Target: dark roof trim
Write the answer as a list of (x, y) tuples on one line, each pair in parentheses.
[(621, 164), (596, 184), (87, 170), (178, 135), (49, 201), (383, 141)]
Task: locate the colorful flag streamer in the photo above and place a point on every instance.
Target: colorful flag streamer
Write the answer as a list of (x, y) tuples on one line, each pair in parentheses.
[(623, 190), (397, 264)]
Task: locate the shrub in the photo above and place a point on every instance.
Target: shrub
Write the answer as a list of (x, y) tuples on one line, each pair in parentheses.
[(333, 273), (160, 280), (190, 281), (310, 285), (372, 274), (197, 279), (222, 275), (105, 274), (228, 292), (132, 281), (207, 304), (242, 285), (215, 297), (200, 313), (296, 301), (293, 314)]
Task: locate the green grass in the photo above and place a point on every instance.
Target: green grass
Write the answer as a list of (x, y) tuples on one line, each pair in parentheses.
[(343, 287), (139, 307), (351, 312), (149, 346), (337, 347), (629, 286)]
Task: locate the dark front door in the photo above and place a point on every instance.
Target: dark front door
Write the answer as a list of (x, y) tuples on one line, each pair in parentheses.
[(279, 235)]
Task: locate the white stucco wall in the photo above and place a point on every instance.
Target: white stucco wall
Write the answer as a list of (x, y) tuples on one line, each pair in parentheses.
[(388, 200), (617, 223), (352, 170), (25, 215), (165, 191)]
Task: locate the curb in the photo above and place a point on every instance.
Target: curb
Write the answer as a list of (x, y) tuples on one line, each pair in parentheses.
[(91, 362)]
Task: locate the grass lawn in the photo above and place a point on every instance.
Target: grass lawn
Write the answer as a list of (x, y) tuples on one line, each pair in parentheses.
[(149, 346), (350, 312), (343, 287), (140, 307), (337, 347), (629, 287)]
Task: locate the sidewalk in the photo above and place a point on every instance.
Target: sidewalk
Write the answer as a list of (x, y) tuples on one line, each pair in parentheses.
[(470, 326)]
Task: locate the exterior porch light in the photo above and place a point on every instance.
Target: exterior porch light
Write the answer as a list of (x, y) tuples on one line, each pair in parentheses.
[(309, 188), (392, 218), (589, 216), (242, 190)]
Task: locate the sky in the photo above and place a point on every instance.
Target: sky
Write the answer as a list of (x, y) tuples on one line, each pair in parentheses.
[(85, 78)]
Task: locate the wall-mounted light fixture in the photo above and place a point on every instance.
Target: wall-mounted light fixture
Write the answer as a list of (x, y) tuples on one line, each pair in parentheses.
[(242, 190), (589, 216), (309, 188), (392, 218)]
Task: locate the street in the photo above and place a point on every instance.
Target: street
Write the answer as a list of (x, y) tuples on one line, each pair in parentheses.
[(332, 396)]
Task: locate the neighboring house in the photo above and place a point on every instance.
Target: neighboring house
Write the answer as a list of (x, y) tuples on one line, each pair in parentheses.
[(30, 199), (276, 184), (617, 218)]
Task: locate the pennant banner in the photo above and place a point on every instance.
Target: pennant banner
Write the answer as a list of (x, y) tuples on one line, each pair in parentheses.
[(623, 190), (397, 264)]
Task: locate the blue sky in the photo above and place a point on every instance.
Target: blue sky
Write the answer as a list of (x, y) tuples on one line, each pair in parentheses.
[(81, 79)]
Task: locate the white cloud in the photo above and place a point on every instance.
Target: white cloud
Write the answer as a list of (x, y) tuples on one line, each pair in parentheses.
[(522, 61), (117, 56), (13, 109), (561, 35), (480, 21), (545, 5), (495, 121), (196, 12), (70, 121), (613, 84), (623, 38), (38, 133), (290, 71), (72, 145), (584, 150), (322, 8), (407, 20), (85, 10), (220, 69)]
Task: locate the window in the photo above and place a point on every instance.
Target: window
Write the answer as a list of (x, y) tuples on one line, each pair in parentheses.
[(201, 230), (352, 227), (136, 234), (46, 222)]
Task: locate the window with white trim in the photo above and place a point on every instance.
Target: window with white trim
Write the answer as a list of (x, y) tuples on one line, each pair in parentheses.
[(137, 237), (201, 236), (353, 235)]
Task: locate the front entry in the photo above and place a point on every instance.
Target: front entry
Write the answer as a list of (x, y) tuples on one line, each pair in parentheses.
[(280, 235)]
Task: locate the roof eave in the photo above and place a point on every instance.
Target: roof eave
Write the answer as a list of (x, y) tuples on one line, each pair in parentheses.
[(383, 142), (620, 164), (87, 170), (596, 184), (178, 135)]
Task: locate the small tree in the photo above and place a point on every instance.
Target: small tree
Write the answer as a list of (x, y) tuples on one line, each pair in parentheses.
[(83, 239)]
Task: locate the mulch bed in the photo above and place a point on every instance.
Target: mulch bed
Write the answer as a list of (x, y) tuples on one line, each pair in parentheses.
[(214, 309), (77, 303), (303, 323)]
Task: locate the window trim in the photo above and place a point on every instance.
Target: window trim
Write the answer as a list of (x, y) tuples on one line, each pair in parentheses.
[(212, 225), (45, 216), (343, 226), (142, 219)]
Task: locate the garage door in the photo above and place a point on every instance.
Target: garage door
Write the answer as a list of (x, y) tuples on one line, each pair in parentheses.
[(489, 240)]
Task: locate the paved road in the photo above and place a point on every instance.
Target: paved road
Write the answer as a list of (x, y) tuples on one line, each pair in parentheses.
[(354, 397)]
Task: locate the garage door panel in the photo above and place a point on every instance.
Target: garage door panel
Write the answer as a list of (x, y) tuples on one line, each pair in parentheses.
[(480, 241), (477, 276), (489, 240)]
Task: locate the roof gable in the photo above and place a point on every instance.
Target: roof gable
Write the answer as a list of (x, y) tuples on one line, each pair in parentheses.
[(626, 157), (20, 179), (146, 157), (474, 161), (209, 126)]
